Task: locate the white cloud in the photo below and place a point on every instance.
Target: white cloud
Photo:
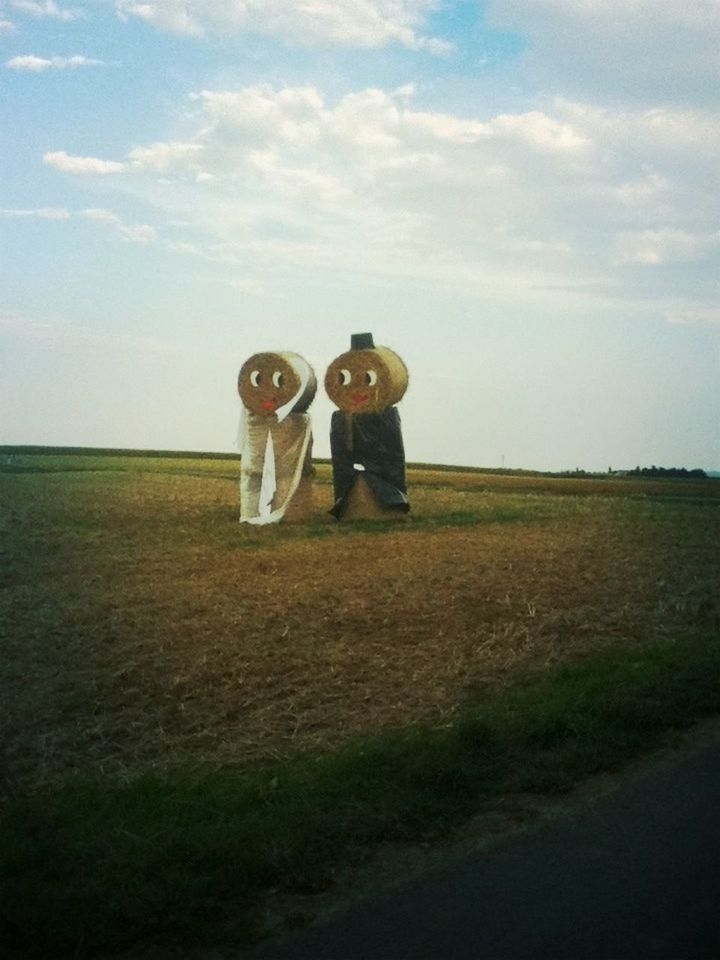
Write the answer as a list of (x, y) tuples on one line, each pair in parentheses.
[(295, 181), (47, 9), (30, 62), (695, 316), (41, 213), (541, 132), (572, 197), (156, 157), (687, 131), (190, 249), (38, 64), (101, 215), (654, 247), (371, 119), (57, 330), (637, 50), (171, 15), (161, 156), (135, 232), (6, 26), (138, 233), (81, 165), (360, 23), (649, 186), (695, 13)]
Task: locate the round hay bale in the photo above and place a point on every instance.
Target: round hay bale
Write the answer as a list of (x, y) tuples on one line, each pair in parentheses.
[(268, 382), (300, 507), (362, 504), (366, 380)]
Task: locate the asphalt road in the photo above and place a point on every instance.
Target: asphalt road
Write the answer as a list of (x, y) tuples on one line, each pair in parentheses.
[(635, 875)]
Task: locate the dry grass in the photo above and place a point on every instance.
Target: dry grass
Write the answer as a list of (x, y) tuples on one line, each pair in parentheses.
[(145, 627)]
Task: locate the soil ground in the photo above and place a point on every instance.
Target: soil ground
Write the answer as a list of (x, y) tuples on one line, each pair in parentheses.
[(156, 631)]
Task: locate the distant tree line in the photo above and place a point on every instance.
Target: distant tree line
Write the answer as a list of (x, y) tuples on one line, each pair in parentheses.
[(667, 472)]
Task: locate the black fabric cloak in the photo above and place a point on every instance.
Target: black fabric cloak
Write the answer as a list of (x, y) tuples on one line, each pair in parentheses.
[(373, 440)]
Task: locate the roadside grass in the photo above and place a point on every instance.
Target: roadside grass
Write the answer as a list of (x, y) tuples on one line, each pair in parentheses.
[(184, 860)]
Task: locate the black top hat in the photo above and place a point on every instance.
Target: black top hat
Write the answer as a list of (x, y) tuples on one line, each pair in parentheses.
[(361, 341)]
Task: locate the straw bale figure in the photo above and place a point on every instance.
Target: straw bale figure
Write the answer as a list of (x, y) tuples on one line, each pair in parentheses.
[(365, 434), (275, 438)]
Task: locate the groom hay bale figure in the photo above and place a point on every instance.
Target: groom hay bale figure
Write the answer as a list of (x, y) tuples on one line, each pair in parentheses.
[(366, 443)]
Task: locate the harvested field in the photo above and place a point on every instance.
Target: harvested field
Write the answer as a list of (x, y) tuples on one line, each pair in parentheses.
[(143, 627)]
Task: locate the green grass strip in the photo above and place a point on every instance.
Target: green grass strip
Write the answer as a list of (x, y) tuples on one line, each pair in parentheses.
[(100, 866)]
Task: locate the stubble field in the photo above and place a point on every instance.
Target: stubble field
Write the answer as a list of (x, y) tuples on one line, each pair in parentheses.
[(144, 628)]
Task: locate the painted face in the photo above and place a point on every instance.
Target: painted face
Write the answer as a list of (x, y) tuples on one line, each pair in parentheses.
[(266, 382), (366, 381)]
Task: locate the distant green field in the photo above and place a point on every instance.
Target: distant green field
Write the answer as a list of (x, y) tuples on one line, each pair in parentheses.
[(197, 712)]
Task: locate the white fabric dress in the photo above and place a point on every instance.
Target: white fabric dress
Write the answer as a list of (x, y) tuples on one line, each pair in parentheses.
[(275, 454)]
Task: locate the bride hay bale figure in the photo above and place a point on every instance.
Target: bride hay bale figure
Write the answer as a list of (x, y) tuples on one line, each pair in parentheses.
[(275, 438), (366, 442)]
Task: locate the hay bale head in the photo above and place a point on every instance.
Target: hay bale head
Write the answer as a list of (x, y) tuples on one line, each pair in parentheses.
[(366, 379), (267, 382), (276, 390)]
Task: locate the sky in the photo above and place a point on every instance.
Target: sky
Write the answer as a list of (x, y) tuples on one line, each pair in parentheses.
[(520, 197)]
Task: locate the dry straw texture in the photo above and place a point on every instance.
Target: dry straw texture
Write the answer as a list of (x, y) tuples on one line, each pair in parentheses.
[(289, 365), (145, 628), (361, 504), (301, 508), (292, 459), (389, 388)]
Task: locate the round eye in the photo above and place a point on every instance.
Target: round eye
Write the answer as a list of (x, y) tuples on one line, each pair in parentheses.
[(255, 378), (345, 377), (371, 377), (277, 379)]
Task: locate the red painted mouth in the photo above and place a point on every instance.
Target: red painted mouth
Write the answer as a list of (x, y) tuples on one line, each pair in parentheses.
[(268, 404), (359, 398)]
